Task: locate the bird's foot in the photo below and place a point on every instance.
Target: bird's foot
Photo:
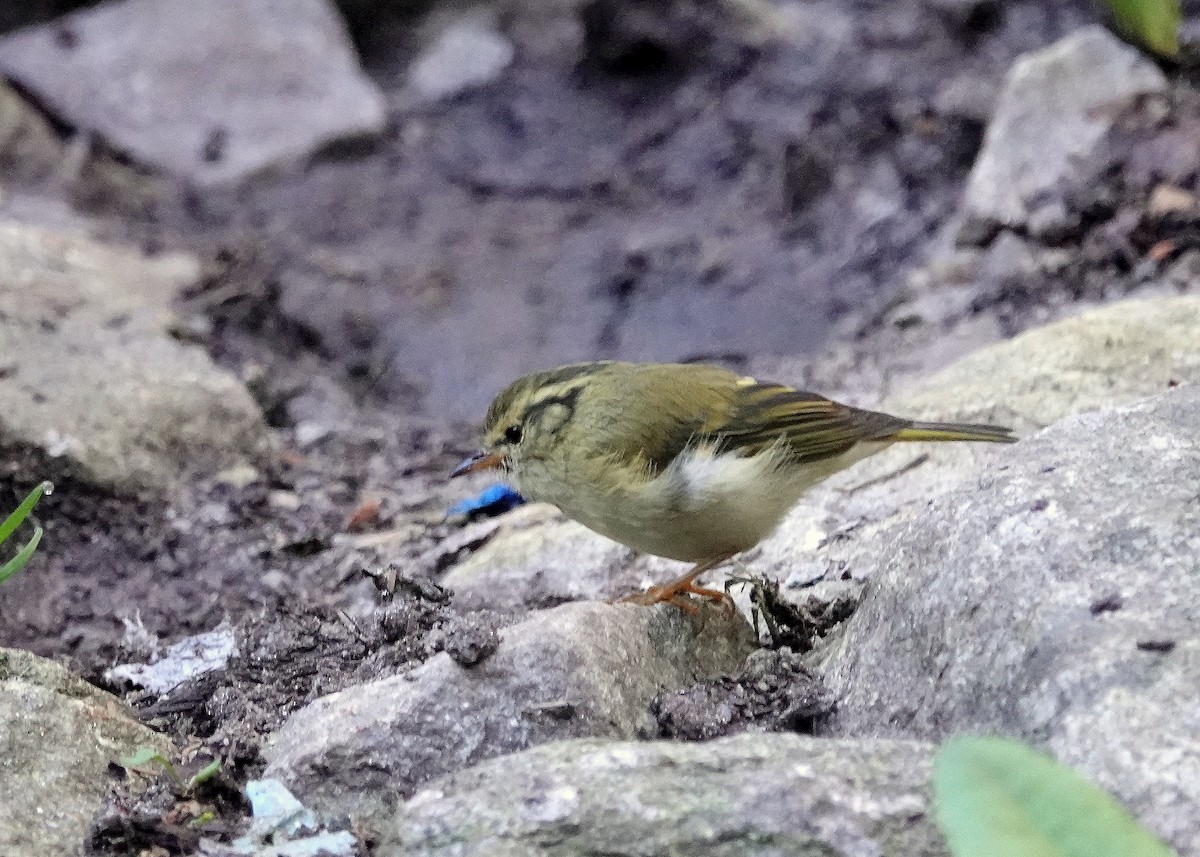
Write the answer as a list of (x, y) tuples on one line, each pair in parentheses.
[(679, 592)]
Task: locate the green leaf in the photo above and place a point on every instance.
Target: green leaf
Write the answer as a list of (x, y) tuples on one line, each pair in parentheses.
[(204, 774), (18, 562), (141, 756), (14, 520), (203, 818), (998, 798), (144, 756), (1153, 24)]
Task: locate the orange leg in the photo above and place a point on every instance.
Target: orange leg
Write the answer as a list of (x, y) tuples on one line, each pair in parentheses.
[(677, 591)]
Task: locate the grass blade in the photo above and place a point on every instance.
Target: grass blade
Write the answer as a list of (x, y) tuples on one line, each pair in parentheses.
[(18, 562), (14, 520)]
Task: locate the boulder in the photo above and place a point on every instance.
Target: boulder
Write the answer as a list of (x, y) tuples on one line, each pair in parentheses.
[(1055, 108), (538, 558), (211, 92), (90, 376), (745, 796), (1108, 356), (58, 736), (579, 670), (1054, 599)]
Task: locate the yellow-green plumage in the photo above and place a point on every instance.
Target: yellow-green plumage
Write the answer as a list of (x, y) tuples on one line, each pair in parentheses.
[(685, 461)]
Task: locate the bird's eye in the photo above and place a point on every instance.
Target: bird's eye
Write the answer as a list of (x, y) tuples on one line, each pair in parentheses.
[(512, 434)]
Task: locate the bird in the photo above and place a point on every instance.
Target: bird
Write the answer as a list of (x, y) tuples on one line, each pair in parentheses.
[(687, 461)]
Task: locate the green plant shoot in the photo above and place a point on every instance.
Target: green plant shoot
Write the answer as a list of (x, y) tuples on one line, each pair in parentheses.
[(999, 798), (145, 757), (13, 521)]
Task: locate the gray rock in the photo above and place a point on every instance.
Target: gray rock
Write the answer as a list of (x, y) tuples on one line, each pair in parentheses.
[(58, 735), (90, 376), (1054, 599), (1107, 356), (1110, 356), (211, 92), (281, 826), (746, 795), (465, 55), (538, 558), (1056, 106), (28, 145), (580, 670)]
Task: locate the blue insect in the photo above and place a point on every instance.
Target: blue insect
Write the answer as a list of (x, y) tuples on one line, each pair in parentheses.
[(493, 500)]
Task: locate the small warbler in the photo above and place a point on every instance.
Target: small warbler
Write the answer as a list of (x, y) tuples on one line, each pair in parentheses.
[(685, 461)]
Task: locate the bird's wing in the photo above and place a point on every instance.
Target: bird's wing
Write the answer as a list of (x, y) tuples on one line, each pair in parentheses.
[(680, 401), (807, 426)]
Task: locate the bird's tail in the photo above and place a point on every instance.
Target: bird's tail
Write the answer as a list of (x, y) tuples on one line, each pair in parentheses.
[(954, 431)]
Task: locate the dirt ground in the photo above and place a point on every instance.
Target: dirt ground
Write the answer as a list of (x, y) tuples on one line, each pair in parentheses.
[(285, 556)]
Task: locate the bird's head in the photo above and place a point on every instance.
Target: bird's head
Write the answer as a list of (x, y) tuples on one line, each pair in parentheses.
[(528, 424)]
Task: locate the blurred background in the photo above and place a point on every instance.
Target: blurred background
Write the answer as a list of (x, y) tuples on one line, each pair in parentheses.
[(439, 196)]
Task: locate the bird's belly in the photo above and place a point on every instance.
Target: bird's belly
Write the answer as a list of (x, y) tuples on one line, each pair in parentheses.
[(701, 510)]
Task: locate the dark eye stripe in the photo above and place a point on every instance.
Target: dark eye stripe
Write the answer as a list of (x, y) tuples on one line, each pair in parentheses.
[(530, 384), (568, 399)]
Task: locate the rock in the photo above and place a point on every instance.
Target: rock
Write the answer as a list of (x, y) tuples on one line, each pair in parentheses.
[(58, 735), (1056, 106), (580, 670), (28, 145), (746, 795), (1109, 356), (210, 92), (1055, 600), (540, 559), (281, 826), (1112, 355), (89, 375), (467, 54)]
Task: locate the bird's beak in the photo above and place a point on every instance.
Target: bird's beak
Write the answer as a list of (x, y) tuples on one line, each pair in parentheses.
[(479, 461)]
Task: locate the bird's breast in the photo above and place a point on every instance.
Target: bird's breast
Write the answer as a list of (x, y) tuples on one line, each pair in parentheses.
[(703, 506)]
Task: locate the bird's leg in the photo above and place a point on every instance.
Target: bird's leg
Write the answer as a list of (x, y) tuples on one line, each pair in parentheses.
[(675, 591)]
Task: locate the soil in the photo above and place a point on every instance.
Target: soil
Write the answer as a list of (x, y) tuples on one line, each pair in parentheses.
[(774, 692), (290, 555)]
